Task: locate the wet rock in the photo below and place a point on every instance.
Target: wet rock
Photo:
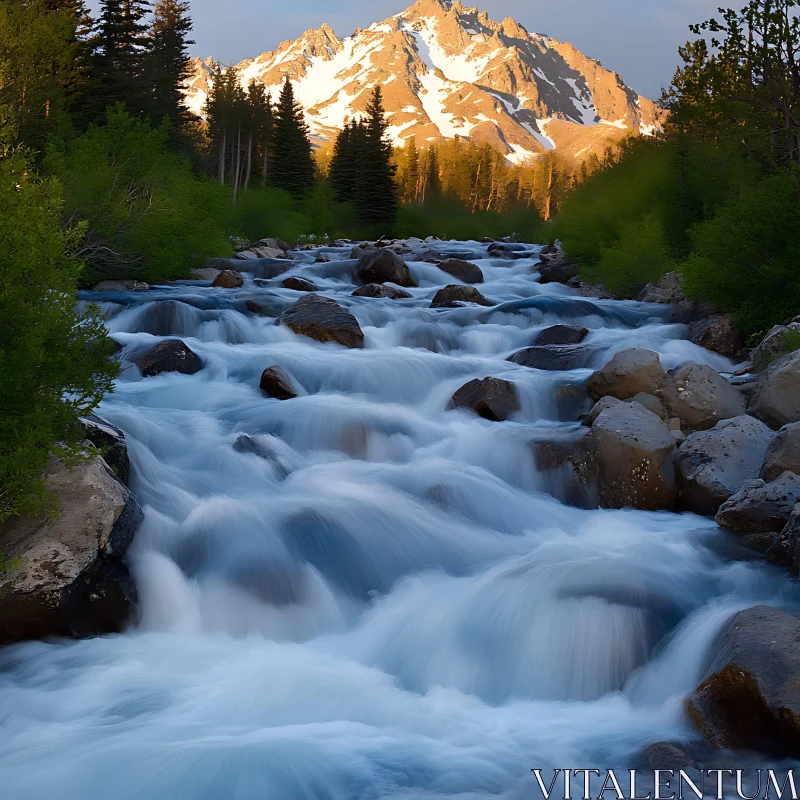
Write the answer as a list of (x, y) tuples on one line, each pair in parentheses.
[(171, 355), (700, 397), (632, 454), (276, 382), (572, 402), (561, 334), (490, 398), (110, 443), (628, 373), (713, 465), (556, 269), (719, 334), (777, 396), (359, 251), (667, 291), (383, 266), (261, 447), (121, 286), (667, 756), (299, 285), (381, 290), (783, 453), (204, 273), (651, 403), (228, 279), (760, 507), (598, 408), (71, 577), (456, 293), (785, 550), (267, 268), (463, 270), (325, 320), (553, 358), (780, 341), (266, 306), (751, 697), (566, 469)]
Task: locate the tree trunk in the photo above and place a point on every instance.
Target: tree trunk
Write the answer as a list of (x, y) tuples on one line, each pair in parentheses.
[(249, 170), (238, 157), (264, 166), (222, 158)]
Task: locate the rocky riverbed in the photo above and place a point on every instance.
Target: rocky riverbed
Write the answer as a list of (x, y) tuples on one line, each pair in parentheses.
[(416, 518)]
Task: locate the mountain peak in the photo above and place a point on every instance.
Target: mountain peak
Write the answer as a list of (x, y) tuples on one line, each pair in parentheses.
[(448, 70)]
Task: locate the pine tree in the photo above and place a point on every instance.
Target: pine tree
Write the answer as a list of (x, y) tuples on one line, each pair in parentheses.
[(167, 62), (259, 128), (432, 182), (118, 64), (410, 177), (292, 163), (221, 111), (347, 152), (375, 196)]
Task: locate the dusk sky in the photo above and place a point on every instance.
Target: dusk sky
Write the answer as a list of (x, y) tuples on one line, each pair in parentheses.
[(637, 38)]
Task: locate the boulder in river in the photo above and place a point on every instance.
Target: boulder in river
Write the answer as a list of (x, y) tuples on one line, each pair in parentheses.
[(561, 334), (383, 266), (557, 270), (785, 550), (553, 358), (700, 397), (491, 398), (121, 286), (719, 334), (110, 443), (323, 319), (463, 270), (449, 296), (299, 284), (69, 576), (266, 306), (783, 453), (228, 279), (361, 250), (712, 465), (631, 452), (667, 756), (760, 507), (171, 355), (378, 290), (777, 396), (750, 698), (628, 373), (276, 382)]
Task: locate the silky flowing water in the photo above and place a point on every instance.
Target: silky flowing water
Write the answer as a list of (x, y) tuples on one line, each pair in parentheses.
[(387, 599)]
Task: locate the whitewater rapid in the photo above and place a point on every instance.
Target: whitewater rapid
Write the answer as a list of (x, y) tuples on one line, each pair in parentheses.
[(388, 600)]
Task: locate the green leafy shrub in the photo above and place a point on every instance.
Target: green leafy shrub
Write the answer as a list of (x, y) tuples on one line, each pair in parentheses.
[(54, 360)]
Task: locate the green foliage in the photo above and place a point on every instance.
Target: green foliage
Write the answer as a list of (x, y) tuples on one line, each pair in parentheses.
[(745, 258), (292, 164), (149, 216), (54, 360)]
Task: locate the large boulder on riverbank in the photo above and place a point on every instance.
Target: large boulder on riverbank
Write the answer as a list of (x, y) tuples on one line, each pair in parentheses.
[(719, 334), (712, 465), (323, 319), (785, 550), (383, 266), (777, 396), (171, 355), (628, 373), (783, 453), (760, 507), (491, 398), (700, 397), (110, 443), (631, 453), (69, 576), (751, 697), (455, 293), (555, 267)]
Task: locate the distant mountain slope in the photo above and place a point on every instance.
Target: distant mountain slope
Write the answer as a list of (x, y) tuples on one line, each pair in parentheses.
[(446, 71)]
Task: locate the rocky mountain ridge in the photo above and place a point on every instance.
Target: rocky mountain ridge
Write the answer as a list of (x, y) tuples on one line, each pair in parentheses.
[(448, 70)]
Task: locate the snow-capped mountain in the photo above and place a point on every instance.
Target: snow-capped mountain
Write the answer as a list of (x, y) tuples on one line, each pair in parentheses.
[(447, 70)]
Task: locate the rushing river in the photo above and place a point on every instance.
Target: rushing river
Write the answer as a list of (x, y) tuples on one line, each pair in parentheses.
[(387, 600)]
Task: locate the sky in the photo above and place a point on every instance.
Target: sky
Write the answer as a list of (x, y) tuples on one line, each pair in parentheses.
[(637, 38)]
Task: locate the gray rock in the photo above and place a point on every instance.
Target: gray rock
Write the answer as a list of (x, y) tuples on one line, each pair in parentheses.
[(783, 453), (121, 286), (667, 291), (719, 334), (750, 698), (71, 577), (651, 403), (666, 756), (785, 550), (323, 319), (561, 334), (359, 251), (171, 355), (228, 279), (381, 290), (490, 398), (599, 407), (204, 273), (760, 507), (276, 382), (628, 373), (110, 443), (383, 266), (266, 306), (451, 295), (777, 343), (553, 358), (299, 285), (713, 465), (700, 397), (632, 454), (463, 270), (777, 396)]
